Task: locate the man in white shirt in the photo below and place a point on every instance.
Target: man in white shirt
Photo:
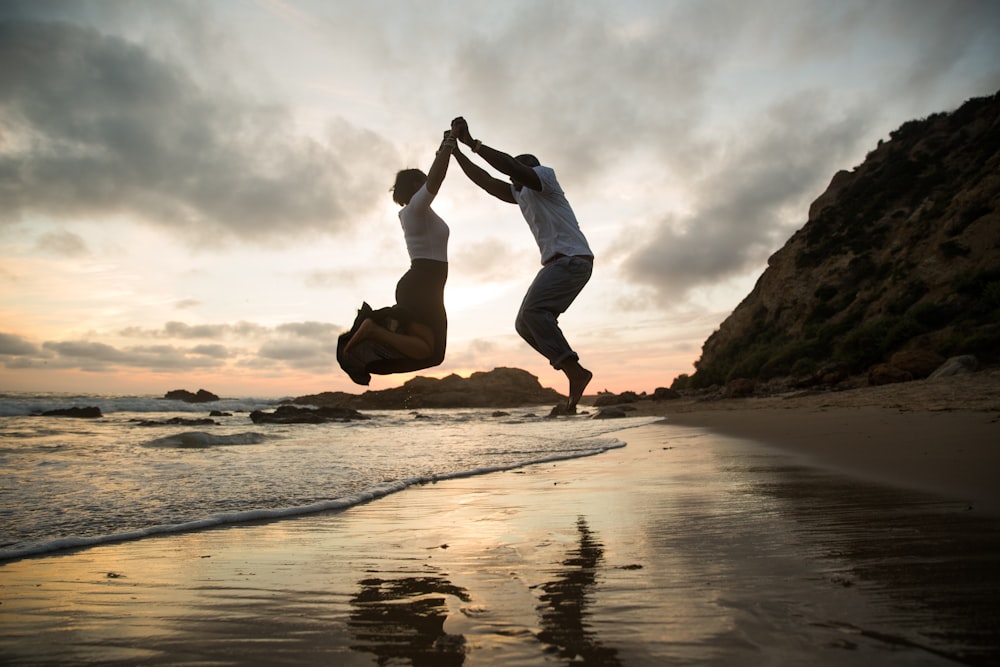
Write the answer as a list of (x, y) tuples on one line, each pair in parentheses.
[(567, 261)]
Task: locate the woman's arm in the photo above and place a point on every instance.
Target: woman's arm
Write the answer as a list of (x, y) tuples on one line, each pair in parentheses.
[(436, 174)]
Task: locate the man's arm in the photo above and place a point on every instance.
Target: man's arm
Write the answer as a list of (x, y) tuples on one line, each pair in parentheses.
[(479, 176), (497, 159)]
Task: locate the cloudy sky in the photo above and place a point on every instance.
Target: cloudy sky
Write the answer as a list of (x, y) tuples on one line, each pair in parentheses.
[(196, 195)]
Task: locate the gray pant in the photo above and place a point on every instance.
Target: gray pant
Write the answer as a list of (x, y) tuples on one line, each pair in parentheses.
[(555, 287)]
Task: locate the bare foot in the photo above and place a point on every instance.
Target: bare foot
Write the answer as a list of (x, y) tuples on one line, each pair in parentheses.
[(363, 333), (579, 378)]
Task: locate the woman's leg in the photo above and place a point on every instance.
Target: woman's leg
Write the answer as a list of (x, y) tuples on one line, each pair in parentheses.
[(416, 341)]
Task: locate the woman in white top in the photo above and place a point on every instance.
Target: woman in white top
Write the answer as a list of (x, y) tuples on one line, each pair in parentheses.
[(411, 335)]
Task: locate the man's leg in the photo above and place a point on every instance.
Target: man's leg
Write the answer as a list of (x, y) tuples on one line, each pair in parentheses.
[(553, 290)]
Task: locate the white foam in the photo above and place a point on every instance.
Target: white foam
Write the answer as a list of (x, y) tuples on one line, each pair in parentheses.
[(372, 493)]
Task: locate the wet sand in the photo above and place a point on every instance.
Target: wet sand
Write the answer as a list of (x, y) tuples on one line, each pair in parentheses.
[(731, 535)]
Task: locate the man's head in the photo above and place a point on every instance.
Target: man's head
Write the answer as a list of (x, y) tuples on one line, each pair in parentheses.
[(528, 160), (408, 181)]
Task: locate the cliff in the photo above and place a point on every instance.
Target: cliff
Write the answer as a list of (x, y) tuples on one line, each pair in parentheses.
[(899, 258)]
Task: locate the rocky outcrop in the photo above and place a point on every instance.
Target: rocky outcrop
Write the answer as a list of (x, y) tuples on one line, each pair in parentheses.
[(184, 395), (900, 256), (499, 388), (290, 414)]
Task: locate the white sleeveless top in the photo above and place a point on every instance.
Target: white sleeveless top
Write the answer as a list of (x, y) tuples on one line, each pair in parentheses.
[(425, 232)]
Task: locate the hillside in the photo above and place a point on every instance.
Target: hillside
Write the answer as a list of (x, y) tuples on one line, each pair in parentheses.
[(899, 258)]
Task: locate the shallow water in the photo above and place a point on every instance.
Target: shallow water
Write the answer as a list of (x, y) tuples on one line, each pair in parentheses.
[(69, 482)]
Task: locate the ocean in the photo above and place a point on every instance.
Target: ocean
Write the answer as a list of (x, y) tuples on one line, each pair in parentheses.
[(70, 482)]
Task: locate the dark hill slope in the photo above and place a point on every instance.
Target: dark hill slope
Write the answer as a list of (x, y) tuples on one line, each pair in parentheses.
[(900, 254)]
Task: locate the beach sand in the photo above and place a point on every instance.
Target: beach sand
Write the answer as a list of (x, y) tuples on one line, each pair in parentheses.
[(815, 529)]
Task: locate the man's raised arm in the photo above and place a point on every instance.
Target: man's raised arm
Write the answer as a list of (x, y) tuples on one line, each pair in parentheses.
[(502, 162), (479, 176)]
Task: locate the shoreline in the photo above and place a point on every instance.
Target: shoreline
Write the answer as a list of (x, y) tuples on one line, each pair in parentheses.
[(724, 536)]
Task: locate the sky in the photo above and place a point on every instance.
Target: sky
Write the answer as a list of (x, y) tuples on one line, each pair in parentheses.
[(196, 194)]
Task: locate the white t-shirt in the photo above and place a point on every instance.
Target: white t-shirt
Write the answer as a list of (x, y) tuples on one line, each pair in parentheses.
[(425, 232), (551, 218)]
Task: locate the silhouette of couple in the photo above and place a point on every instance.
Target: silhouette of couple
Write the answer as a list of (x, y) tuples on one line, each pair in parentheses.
[(412, 334)]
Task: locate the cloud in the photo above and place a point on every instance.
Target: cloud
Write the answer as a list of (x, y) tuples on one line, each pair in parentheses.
[(94, 125), (489, 260), (101, 357), (14, 345), (185, 304), (753, 196), (63, 243), (298, 345)]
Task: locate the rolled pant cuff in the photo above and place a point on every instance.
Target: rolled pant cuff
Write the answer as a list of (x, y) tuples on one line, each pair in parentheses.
[(559, 361)]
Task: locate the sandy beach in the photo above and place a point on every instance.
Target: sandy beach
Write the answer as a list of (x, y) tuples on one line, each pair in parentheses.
[(832, 529)]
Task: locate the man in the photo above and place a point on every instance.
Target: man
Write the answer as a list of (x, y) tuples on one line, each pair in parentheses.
[(567, 261)]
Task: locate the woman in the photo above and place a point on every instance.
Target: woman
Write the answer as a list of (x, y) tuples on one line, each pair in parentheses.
[(412, 334)]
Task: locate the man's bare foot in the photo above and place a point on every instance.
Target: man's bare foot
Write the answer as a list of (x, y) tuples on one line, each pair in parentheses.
[(579, 378), (363, 333)]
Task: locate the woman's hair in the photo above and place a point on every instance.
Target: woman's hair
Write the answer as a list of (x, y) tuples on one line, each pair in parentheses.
[(408, 181)]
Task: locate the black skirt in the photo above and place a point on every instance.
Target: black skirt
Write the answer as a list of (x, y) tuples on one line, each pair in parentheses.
[(419, 299)]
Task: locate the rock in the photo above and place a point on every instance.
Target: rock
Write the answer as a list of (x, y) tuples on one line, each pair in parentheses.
[(610, 413), (78, 413), (289, 414), (739, 388), (561, 410), (184, 395), (218, 413), (499, 388), (962, 365), (665, 394), (887, 374), (500, 413), (918, 363), (607, 398)]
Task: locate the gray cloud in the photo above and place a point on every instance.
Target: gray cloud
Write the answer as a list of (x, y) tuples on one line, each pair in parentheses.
[(95, 125), (101, 357), (63, 243), (299, 345), (14, 345), (484, 261), (742, 201)]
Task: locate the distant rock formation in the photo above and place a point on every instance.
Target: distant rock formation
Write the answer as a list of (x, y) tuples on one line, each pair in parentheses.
[(91, 412), (184, 395), (896, 269), (499, 388)]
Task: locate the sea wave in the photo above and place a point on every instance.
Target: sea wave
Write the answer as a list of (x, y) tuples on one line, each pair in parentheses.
[(380, 490), (196, 439)]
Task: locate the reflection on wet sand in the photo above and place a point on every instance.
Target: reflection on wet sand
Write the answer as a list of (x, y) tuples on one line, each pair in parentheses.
[(403, 619), (565, 600), (935, 562)]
